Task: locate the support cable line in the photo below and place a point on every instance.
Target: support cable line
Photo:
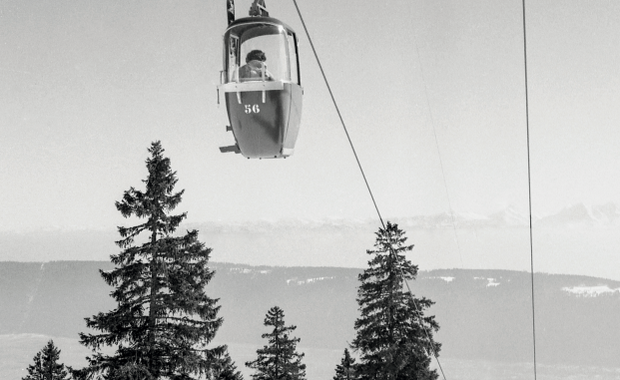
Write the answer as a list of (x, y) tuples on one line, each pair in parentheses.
[(443, 172), (432, 349), (529, 187)]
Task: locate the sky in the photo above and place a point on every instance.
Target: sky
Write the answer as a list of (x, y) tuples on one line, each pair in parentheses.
[(432, 92)]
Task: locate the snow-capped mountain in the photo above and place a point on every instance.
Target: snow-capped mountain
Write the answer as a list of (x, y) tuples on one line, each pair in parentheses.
[(582, 215), (577, 214)]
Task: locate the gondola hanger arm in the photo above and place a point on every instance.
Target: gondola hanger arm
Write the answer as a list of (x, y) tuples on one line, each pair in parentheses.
[(257, 9)]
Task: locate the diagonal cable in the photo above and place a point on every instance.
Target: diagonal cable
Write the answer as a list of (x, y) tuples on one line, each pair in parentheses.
[(344, 126), (316, 56)]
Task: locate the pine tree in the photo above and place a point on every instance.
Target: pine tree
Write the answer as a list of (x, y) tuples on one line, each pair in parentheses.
[(393, 337), (164, 320), (278, 360), (46, 366), (226, 370), (346, 369)]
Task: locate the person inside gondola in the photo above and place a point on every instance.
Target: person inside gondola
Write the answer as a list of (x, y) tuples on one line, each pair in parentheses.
[(255, 68)]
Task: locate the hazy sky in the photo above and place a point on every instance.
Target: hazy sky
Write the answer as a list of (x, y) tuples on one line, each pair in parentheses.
[(86, 86)]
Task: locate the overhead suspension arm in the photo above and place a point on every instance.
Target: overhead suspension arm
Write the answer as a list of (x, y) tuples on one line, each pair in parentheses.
[(230, 11), (259, 9)]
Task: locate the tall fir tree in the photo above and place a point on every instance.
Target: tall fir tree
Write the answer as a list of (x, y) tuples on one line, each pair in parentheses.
[(346, 369), (393, 337), (278, 360), (164, 320), (46, 366)]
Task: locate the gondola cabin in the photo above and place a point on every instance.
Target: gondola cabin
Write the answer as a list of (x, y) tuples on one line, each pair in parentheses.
[(262, 87)]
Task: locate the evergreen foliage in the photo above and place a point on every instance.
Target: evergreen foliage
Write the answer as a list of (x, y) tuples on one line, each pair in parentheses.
[(164, 320), (278, 360), (393, 337), (46, 366), (226, 370), (346, 369)]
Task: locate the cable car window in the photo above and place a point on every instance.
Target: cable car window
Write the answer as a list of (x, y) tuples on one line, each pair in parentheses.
[(261, 52), (265, 55), (292, 54), (233, 59)]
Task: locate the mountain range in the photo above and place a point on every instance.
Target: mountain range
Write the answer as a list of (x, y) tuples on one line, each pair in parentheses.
[(577, 240), (607, 214)]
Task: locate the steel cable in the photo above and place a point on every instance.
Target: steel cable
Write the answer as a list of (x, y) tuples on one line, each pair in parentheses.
[(359, 164)]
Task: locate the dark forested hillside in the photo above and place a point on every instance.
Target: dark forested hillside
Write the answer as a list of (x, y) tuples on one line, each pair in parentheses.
[(483, 314), (51, 298)]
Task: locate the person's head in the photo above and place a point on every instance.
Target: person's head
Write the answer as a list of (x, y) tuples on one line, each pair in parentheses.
[(255, 55)]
